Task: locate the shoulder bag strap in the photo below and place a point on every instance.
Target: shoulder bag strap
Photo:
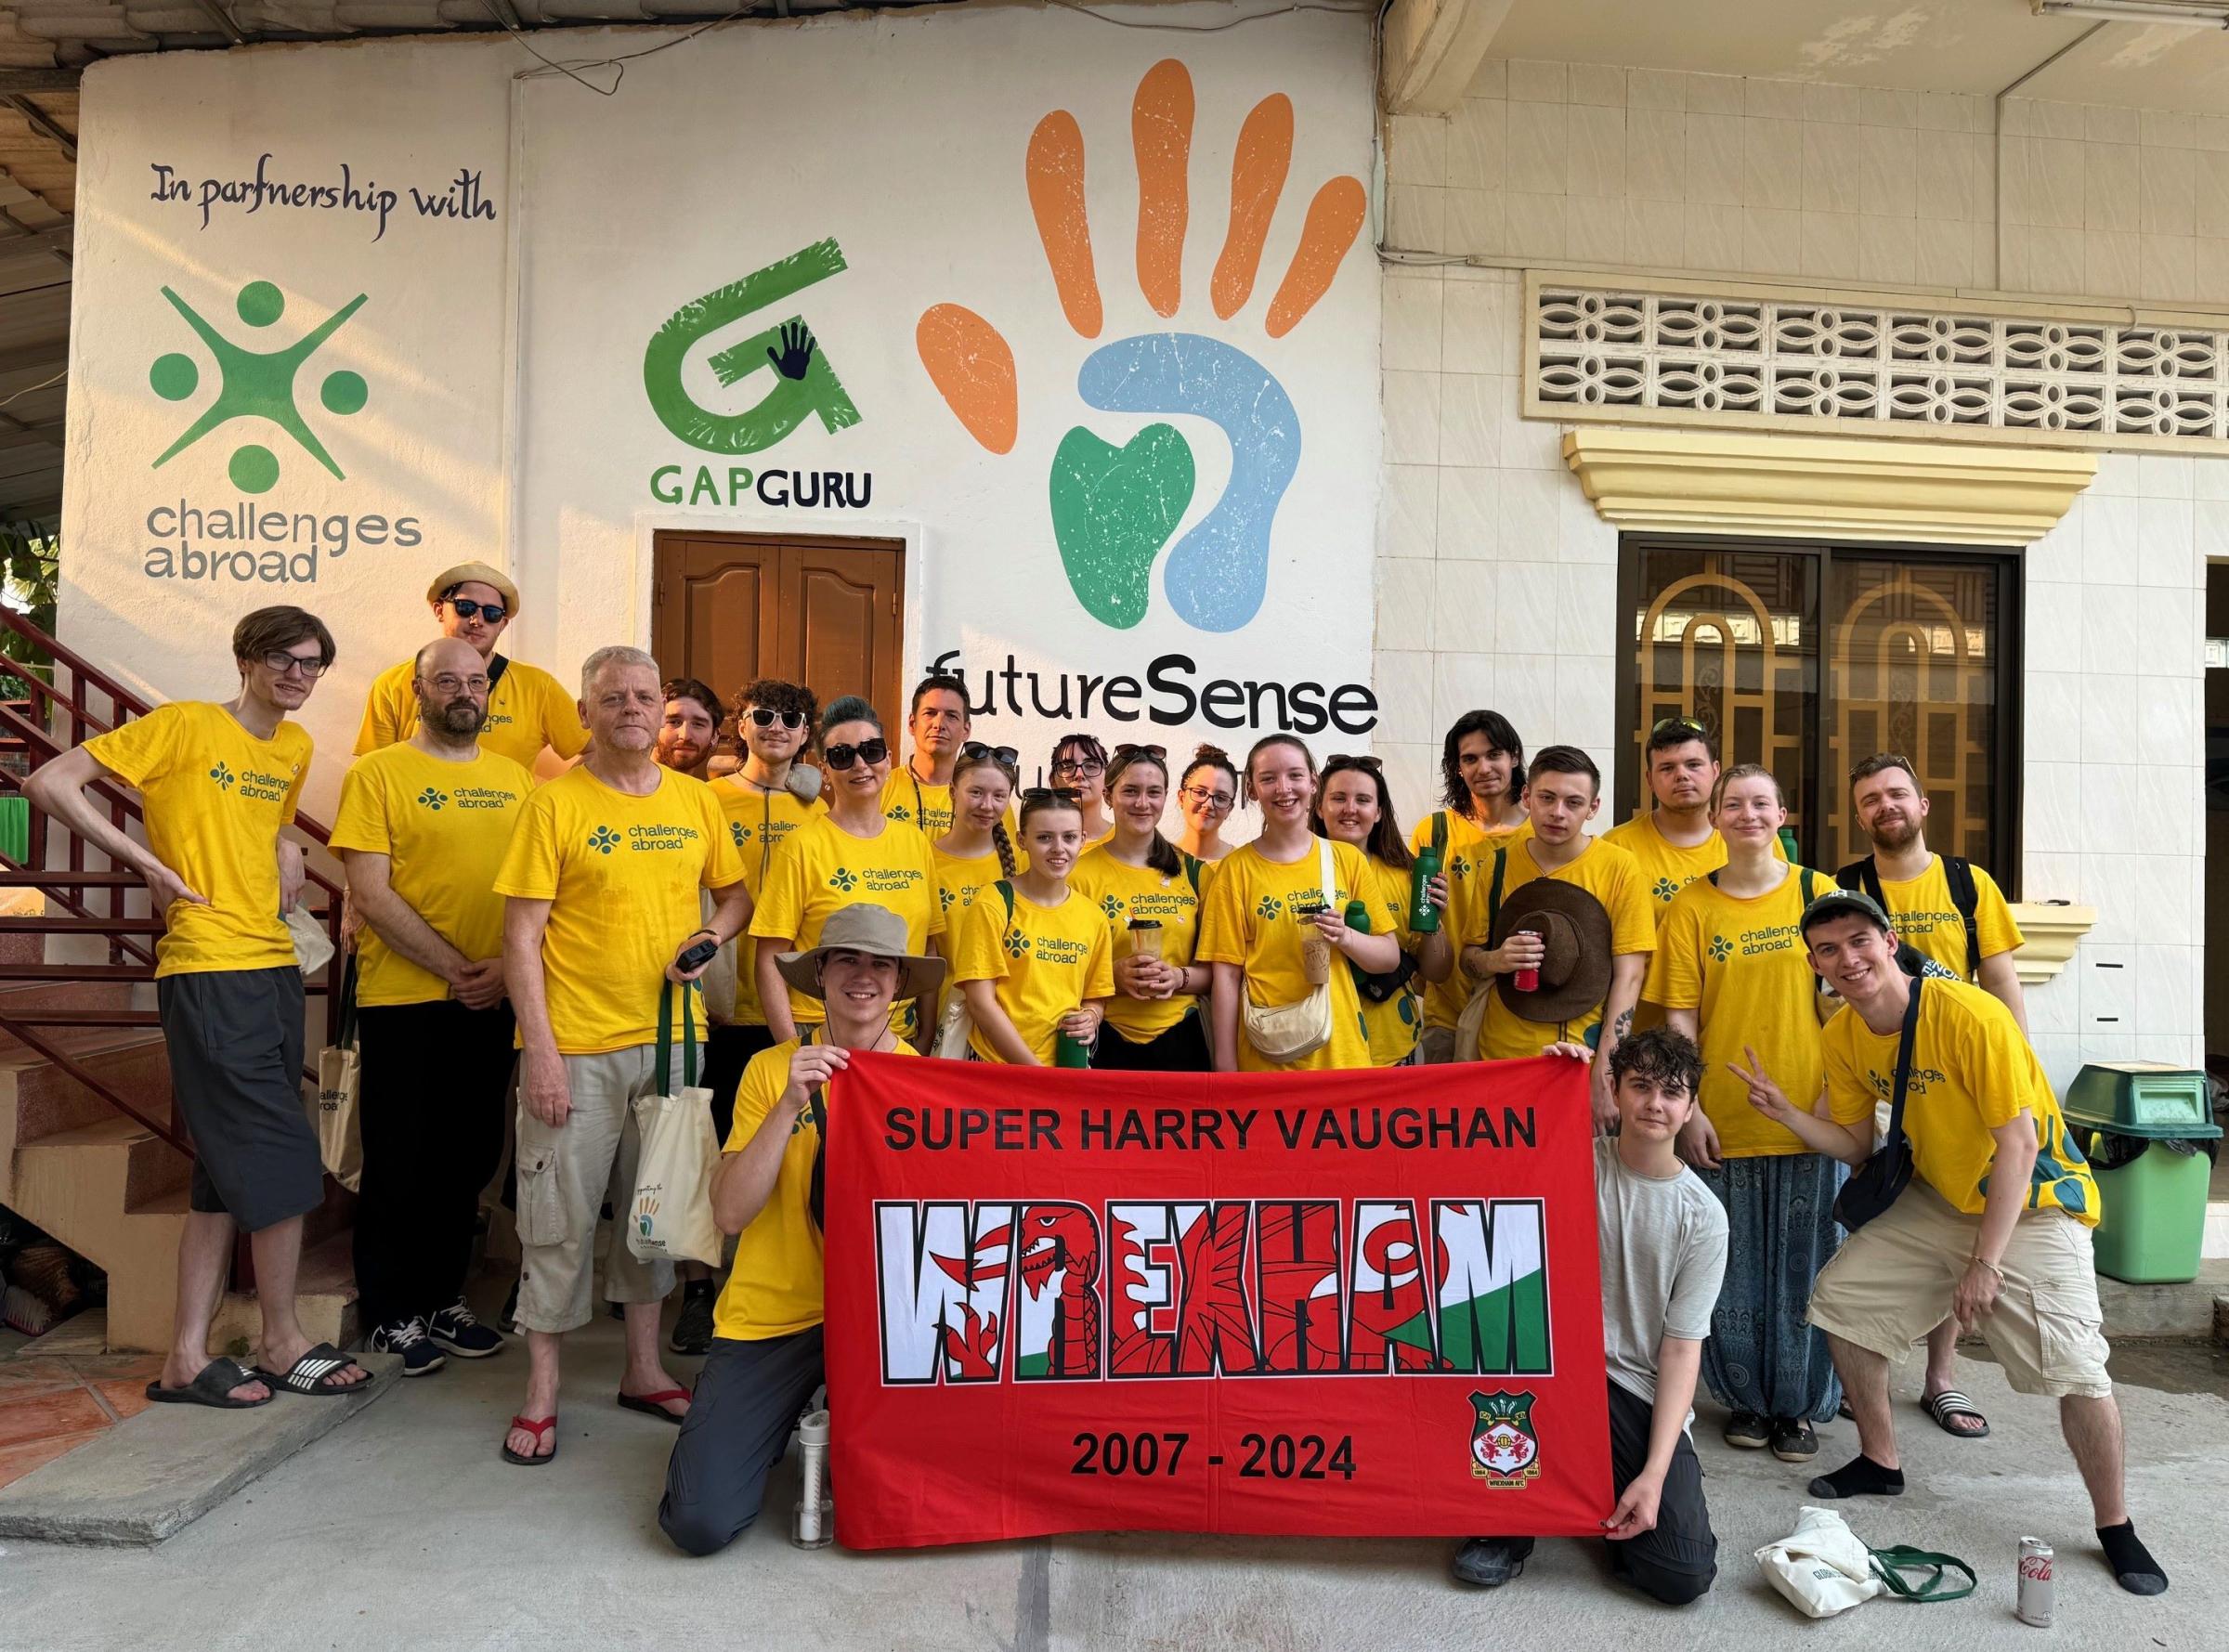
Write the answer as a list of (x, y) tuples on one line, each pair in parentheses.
[(662, 1062), (1889, 1563), (1192, 871), (1494, 893), (1808, 881), (1905, 1039), (1959, 874), (347, 1033), (497, 665), (817, 1189), (1324, 875)]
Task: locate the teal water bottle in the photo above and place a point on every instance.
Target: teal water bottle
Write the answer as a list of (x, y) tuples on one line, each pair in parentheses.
[(1424, 918), (1787, 844)]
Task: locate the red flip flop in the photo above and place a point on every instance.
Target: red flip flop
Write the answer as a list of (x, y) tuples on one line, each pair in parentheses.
[(538, 1427), (654, 1405)]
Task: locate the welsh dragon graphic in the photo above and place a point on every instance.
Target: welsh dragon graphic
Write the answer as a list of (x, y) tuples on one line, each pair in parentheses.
[(1049, 1241)]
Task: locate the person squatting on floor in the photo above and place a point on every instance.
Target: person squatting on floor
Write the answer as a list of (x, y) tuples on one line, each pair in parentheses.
[(421, 829), (766, 1345), (1993, 1229), (1664, 1253)]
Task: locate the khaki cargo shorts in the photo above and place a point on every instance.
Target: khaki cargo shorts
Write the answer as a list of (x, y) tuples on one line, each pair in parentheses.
[(1891, 1285)]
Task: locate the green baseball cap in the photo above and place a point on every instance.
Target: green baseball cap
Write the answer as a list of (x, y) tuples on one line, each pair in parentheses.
[(1845, 903)]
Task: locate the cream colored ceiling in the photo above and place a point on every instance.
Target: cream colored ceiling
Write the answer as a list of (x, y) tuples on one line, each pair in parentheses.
[(1933, 46)]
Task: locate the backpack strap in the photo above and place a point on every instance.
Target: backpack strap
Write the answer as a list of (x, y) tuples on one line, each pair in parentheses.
[(1808, 881), (497, 665), (1959, 875), (1493, 893), (1192, 871), (1439, 833)]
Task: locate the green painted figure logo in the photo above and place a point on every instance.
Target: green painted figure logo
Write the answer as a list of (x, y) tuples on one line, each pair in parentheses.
[(257, 384), (805, 385)]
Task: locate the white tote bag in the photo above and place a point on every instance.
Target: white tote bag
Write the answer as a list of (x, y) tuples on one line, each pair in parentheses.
[(671, 1219), (1822, 1565)]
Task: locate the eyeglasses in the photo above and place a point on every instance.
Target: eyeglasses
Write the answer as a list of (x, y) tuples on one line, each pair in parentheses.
[(1339, 760), (868, 751), (1202, 796), (1159, 753), (999, 754), (467, 609), (281, 662), (1049, 794), (1664, 724), (766, 718), (449, 682), (1083, 768)]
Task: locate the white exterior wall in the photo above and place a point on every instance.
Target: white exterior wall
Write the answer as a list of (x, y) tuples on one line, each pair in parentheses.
[(1497, 581), (508, 412)]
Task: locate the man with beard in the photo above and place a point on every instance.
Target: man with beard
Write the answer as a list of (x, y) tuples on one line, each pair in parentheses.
[(690, 729), (1951, 912), (604, 873), (422, 828), (1676, 842), (1482, 774)]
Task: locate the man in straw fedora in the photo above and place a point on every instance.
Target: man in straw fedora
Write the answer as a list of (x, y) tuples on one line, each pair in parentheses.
[(766, 1338), (528, 709), (1563, 935)]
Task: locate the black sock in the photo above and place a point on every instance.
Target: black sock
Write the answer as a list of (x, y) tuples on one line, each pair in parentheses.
[(696, 1287), (2134, 1567), (1860, 1477)]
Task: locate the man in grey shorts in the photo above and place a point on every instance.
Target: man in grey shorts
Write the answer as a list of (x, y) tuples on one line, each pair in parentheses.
[(217, 783)]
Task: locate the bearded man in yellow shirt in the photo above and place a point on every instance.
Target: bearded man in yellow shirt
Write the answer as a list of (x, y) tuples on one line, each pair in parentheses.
[(603, 874), (1675, 841), (218, 783), (1992, 1230), (528, 709)]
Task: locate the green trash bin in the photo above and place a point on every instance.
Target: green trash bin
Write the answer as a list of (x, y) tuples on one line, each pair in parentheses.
[(2148, 1132)]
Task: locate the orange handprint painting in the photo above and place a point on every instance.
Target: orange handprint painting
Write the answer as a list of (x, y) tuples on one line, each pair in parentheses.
[(1114, 508)]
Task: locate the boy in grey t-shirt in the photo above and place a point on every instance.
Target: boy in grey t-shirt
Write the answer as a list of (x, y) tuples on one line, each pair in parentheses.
[(1663, 1255)]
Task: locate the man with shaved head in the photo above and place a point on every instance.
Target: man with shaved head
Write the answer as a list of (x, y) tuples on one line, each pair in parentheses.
[(422, 828)]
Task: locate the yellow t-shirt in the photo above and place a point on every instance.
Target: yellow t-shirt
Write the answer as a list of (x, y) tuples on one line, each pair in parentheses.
[(1047, 960), (1249, 920), (622, 875), (1926, 915), (1740, 965), (758, 823), (775, 1289), (1614, 878), (1666, 868), (1122, 892), (1469, 874), (822, 867), (1972, 1073), (528, 709), (444, 828), (959, 878), (1395, 1026), (909, 800), (216, 798)]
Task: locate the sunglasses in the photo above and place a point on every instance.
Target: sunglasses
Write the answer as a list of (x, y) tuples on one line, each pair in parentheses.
[(1663, 724), (1049, 794), (999, 754), (868, 751), (467, 609), (765, 718), (1339, 760), (1200, 794), (1159, 753)]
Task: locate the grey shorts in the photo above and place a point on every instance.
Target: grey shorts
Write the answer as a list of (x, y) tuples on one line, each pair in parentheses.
[(235, 1042)]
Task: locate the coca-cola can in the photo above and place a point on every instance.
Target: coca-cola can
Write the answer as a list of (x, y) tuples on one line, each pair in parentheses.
[(2038, 1593)]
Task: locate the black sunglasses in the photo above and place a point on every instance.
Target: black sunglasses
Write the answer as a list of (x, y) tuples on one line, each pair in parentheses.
[(1159, 753), (1050, 794), (868, 751), (766, 718), (467, 609), (1339, 760), (973, 749)]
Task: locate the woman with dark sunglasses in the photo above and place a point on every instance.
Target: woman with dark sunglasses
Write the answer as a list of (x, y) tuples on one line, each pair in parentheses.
[(1079, 764), (1150, 892), (979, 850), (1353, 806), (1033, 958), (851, 853)]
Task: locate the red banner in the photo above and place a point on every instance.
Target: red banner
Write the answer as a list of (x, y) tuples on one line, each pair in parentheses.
[(1350, 1304)]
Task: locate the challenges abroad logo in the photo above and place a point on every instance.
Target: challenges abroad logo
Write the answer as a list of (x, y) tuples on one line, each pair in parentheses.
[(1115, 508)]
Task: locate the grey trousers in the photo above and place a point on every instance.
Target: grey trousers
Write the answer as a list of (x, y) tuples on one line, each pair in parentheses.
[(746, 1404)]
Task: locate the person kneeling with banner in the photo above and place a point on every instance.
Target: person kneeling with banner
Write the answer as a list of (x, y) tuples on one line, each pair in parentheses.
[(1663, 1255), (766, 1333)]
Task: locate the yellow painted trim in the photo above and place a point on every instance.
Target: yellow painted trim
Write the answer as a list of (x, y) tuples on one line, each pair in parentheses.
[(2051, 933), (1805, 487)]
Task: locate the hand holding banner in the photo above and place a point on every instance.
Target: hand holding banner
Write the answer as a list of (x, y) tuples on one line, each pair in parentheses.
[(1356, 1304)]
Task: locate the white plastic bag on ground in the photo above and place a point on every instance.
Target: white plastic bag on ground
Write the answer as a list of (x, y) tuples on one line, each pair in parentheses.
[(1822, 1565)]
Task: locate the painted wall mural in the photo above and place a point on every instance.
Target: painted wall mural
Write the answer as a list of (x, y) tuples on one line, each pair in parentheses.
[(1114, 507)]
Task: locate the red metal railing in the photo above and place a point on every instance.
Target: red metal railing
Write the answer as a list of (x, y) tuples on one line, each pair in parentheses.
[(97, 899)]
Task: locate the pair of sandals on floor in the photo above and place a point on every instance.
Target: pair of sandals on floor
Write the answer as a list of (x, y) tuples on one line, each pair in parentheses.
[(314, 1374), (650, 1405), (1942, 1406)]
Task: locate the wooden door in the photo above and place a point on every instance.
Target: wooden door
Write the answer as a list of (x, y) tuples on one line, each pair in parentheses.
[(823, 612)]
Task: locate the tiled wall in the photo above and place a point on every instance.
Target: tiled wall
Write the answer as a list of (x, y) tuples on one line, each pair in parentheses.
[(1597, 164), (1497, 582)]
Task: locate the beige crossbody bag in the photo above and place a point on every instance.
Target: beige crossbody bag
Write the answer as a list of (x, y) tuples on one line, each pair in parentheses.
[(1289, 1032)]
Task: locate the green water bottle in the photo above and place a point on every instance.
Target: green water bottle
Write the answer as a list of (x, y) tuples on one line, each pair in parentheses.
[(1068, 1051), (1358, 917), (1788, 844), (1424, 918)]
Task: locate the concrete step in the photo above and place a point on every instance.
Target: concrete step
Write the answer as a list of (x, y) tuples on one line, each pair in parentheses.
[(2184, 1310), (325, 1301), (152, 1167), (28, 998), (132, 1061)]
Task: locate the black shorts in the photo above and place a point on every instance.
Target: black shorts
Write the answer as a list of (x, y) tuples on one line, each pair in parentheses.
[(235, 1041), (1184, 1048)]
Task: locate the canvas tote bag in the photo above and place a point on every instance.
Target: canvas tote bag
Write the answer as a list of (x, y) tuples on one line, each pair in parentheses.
[(333, 1113), (671, 1219), (1291, 1032)]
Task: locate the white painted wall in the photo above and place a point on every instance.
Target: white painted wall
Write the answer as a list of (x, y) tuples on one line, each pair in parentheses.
[(505, 360)]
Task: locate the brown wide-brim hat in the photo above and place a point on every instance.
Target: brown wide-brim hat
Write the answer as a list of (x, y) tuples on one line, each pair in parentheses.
[(865, 928), (475, 573), (1575, 976)]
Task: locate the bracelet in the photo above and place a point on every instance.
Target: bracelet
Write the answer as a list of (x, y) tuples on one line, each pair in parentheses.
[(2002, 1277)]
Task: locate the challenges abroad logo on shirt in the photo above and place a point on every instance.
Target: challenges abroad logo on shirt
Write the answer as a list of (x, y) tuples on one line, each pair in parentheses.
[(876, 880), (255, 784)]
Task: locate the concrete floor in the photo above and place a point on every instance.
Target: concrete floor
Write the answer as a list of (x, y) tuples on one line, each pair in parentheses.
[(405, 1529)]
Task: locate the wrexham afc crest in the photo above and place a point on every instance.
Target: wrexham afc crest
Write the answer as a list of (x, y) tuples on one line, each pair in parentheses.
[(1504, 1452)]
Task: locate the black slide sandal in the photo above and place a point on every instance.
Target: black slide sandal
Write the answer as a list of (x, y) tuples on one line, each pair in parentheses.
[(309, 1372), (1950, 1403), (213, 1386)]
